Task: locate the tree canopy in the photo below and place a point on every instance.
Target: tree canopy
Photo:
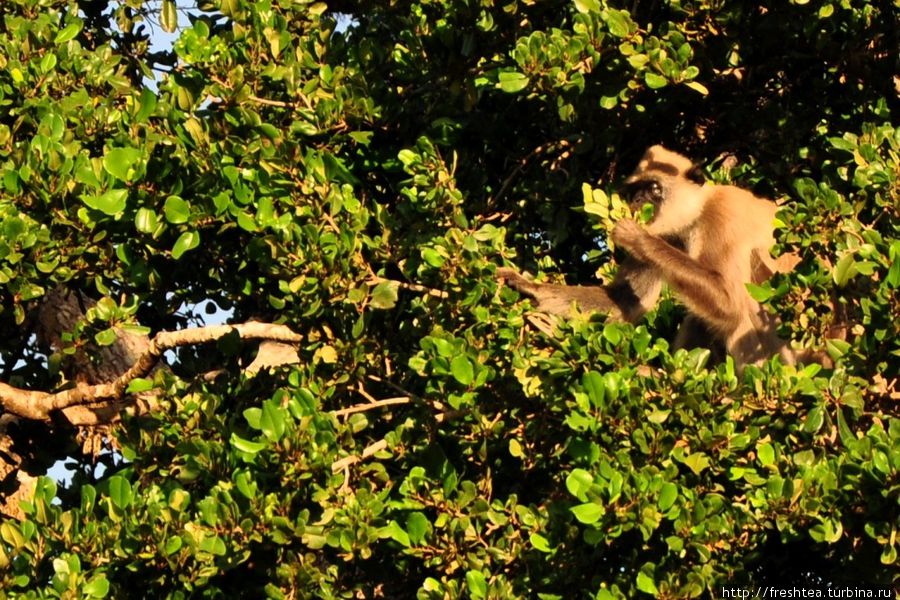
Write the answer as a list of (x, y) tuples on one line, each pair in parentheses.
[(383, 419)]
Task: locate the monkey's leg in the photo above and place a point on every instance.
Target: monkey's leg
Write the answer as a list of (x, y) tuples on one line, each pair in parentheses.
[(693, 333)]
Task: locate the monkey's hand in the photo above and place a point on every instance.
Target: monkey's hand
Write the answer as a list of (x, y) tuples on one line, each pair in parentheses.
[(630, 236)]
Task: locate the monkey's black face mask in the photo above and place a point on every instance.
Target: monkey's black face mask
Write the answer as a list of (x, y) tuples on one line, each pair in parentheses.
[(641, 193)]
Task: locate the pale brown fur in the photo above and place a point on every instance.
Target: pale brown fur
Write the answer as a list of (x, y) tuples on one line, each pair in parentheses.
[(706, 242)]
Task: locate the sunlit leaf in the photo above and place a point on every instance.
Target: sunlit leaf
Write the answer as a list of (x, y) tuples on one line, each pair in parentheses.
[(588, 513), (120, 491), (186, 241), (384, 295), (120, 162), (110, 203), (462, 369), (512, 81), (68, 32)]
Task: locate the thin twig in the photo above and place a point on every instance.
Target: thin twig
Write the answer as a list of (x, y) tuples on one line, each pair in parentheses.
[(264, 101), (371, 406), (374, 447), (368, 451)]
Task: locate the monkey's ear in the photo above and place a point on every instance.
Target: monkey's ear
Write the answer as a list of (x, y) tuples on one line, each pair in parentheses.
[(695, 174)]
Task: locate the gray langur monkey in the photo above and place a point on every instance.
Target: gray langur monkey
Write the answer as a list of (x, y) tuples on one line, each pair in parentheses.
[(706, 242)]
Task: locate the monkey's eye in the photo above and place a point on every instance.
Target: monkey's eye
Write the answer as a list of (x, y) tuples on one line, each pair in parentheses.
[(643, 192)]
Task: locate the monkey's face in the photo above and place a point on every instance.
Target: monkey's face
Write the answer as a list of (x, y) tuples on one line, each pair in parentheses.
[(667, 186), (645, 197)]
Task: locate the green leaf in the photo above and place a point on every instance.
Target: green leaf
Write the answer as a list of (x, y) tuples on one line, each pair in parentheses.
[(655, 81), (110, 203), (462, 369), (814, 419), (477, 584), (48, 62), (836, 349), (384, 295), (667, 496), (845, 269), (829, 530), (766, 454), (336, 170), (107, 337), (578, 483), (120, 491), (645, 582), (247, 446), (407, 157), (176, 210), (417, 527), (168, 16), (11, 534), (97, 587), (512, 81), (138, 385), (432, 257), (245, 485), (893, 276), (592, 382), (845, 144), (68, 32), (588, 513), (806, 188), (585, 6), (697, 462), (173, 545), (147, 102), (847, 437), (146, 220), (186, 241), (619, 23), (120, 162), (393, 531), (272, 421), (539, 542), (760, 293), (253, 416), (213, 545)]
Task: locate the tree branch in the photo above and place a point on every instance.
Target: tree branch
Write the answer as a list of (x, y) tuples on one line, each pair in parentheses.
[(37, 405)]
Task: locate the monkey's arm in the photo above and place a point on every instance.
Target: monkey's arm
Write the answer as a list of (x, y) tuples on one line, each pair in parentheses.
[(706, 291), (633, 292)]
